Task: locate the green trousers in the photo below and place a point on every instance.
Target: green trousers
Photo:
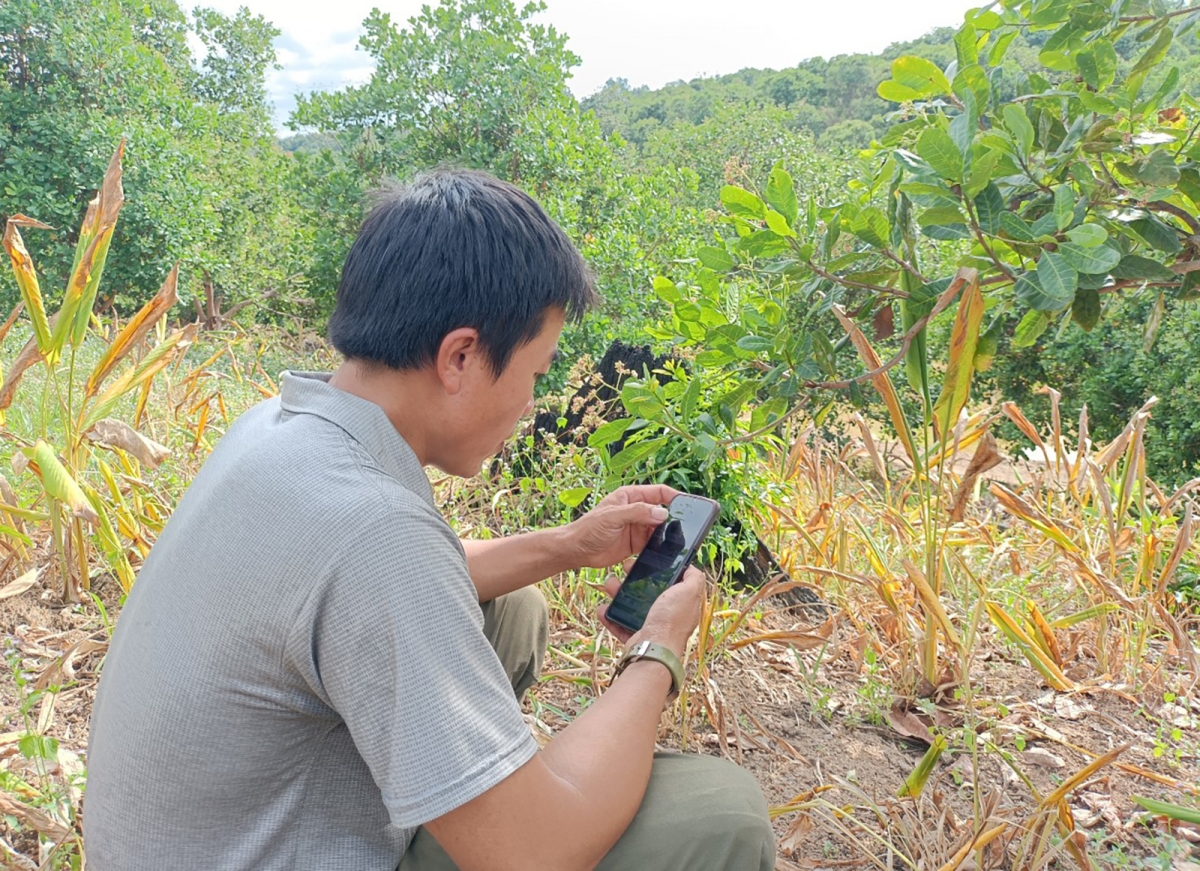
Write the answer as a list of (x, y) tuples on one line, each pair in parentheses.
[(699, 813)]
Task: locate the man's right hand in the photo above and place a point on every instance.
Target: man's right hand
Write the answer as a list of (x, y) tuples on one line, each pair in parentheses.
[(673, 616)]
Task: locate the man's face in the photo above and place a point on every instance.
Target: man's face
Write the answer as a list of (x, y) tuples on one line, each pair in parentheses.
[(493, 406)]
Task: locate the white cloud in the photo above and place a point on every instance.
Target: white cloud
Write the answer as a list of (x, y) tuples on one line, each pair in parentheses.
[(647, 42)]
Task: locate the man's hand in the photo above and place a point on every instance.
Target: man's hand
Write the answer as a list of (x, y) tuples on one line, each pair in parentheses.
[(620, 525), (673, 616)]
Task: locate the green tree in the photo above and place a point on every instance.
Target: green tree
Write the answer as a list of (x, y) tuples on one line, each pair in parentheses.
[(77, 76)]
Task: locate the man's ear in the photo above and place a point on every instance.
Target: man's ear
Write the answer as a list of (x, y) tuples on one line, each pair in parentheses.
[(458, 355)]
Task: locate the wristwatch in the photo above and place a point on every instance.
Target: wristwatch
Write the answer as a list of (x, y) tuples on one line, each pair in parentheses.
[(658, 653)]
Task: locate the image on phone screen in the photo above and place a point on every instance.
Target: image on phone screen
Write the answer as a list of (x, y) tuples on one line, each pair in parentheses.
[(671, 547)]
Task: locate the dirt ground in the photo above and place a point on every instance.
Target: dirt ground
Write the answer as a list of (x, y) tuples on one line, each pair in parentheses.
[(799, 722)]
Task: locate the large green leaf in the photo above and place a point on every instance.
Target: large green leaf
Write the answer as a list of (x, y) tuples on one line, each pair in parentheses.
[(740, 201), (1097, 64), (1058, 281), (1153, 55), (1099, 260), (1087, 235), (871, 225), (938, 150), (1019, 126), (781, 194), (1064, 206), (989, 206), (1032, 325), (1085, 310), (609, 432), (1157, 235), (636, 453), (1135, 267), (716, 259), (921, 75), (1016, 228)]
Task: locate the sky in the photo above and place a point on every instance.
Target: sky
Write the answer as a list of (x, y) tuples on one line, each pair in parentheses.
[(646, 42)]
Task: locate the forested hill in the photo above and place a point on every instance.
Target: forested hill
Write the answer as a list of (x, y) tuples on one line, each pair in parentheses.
[(835, 99)]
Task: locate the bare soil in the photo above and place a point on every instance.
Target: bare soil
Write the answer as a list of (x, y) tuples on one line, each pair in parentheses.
[(798, 721)]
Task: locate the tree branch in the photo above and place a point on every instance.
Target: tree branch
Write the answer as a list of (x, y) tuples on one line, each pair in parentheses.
[(1190, 220), (847, 282), (906, 266), (1133, 19)]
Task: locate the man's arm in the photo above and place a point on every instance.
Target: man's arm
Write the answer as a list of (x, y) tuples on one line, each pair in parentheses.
[(501, 565), (566, 807), (617, 527)]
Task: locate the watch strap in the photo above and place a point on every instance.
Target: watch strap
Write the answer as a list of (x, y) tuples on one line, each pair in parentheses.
[(658, 653)]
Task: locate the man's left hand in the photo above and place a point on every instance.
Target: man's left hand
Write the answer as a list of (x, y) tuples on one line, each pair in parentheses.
[(619, 526)]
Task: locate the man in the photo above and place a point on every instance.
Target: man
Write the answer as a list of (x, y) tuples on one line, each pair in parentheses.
[(312, 672)]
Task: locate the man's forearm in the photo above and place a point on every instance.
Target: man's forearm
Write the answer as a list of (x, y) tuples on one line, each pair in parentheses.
[(501, 565)]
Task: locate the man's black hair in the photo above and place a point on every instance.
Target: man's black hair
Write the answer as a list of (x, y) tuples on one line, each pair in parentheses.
[(454, 248)]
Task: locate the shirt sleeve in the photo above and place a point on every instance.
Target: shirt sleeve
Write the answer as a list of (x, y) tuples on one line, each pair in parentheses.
[(396, 646)]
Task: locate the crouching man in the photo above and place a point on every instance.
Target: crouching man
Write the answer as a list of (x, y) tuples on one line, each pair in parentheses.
[(313, 672)]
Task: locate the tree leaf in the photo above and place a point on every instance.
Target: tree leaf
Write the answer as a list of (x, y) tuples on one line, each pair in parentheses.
[(1032, 325), (1154, 322), (1058, 282), (1133, 267), (740, 201), (1099, 260), (781, 194), (716, 259), (989, 207), (1087, 235), (893, 91), (937, 149), (972, 79), (921, 75), (635, 453), (1018, 125), (1064, 206), (1153, 55), (1157, 235), (574, 497), (1085, 310), (1000, 48), (871, 225), (778, 224), (1015, 227), (110, 433), (941, 216), (609, 432), (755, 344)]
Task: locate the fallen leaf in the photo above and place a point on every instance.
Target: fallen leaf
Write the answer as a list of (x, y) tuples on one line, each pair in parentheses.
[(1069, 709), (1043, 758), (20, 585), (908, 724)]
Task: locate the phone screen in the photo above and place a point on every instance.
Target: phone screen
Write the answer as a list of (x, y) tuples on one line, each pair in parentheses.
[(671, 547)]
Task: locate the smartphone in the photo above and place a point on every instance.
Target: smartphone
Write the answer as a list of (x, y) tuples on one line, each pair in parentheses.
[(672, 546)]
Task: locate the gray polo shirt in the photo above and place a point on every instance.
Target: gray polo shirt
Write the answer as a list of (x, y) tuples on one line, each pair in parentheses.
[(300, 676)]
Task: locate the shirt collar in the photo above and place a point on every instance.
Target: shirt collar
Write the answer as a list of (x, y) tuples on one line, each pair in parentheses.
[(362, 420)]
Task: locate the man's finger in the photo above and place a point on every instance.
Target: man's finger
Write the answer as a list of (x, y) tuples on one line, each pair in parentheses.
[(639, 514), (658, 494), (611, 584)]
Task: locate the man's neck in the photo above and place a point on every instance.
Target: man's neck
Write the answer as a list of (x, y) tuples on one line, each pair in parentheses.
[(399, 394)]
